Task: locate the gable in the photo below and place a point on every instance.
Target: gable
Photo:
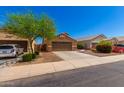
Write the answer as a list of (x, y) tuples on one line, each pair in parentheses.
[(90, 38), (114, 40), (64, 37), (60, 38), (98, 38)]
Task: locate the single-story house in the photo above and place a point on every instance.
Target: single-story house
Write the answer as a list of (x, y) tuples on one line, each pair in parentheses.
[(6, 38), (117, 40), (91, 41), (62, 42)]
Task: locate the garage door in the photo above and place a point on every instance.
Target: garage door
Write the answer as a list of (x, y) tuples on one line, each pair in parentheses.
[(61, 46)]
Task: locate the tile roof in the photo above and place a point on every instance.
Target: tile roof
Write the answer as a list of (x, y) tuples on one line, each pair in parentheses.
[(7, 36), (89, 37)]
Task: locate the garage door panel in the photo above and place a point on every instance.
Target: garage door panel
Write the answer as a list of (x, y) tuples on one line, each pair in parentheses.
[(61, 46)]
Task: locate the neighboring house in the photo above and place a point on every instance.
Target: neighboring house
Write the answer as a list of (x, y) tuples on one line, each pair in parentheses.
[(6, 38), (117, 40), (62, 42), (91, 41)]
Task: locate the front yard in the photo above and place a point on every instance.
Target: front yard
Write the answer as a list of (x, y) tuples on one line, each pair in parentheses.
[(43, 57), (102, 49)]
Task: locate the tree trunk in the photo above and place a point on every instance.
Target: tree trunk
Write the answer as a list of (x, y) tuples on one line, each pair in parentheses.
[(30, 45), (43, 41)]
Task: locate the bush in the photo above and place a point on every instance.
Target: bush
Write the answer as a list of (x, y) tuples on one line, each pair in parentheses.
[(27, 57), (80, 46), (104, 47), (33, 55)]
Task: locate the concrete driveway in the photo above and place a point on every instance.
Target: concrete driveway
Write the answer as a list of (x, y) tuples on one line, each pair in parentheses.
[(73, 55), (8, 61)]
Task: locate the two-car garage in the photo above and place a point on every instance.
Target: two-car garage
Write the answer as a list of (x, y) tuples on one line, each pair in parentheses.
[(6, 38), (62, 42), (23, 44)]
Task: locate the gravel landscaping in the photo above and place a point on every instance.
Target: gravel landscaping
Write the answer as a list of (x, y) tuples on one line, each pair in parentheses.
[(100, 54), (44, 57)]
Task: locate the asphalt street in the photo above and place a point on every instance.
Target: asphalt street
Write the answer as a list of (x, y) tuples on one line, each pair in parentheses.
[(107, 75)]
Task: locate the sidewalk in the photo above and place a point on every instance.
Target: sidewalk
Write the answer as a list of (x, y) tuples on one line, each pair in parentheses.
[(16, 72)]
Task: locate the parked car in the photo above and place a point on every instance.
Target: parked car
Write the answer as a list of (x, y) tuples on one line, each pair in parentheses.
[(118, 48), (10, 50)]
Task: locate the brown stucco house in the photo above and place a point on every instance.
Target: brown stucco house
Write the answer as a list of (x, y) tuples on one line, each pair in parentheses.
[(6, 38), (91, 41), (62, 42)]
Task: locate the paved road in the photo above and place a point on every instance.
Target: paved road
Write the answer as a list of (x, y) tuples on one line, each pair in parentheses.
[(107, 75), (73, 55)]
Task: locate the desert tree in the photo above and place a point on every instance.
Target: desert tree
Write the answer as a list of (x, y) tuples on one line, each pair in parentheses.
[(30, 26)]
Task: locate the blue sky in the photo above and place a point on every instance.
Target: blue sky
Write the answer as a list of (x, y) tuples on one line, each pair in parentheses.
[(78, 21)]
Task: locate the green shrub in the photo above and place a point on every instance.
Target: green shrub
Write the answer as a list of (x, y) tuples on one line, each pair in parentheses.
[(104, 47), (33, 55), (80, 46), (27, 57)]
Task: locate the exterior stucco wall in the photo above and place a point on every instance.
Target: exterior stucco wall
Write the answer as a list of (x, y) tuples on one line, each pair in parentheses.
[(86, 44)]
